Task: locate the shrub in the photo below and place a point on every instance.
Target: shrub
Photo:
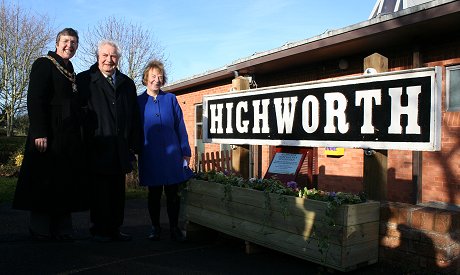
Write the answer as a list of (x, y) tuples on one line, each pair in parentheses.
[(274, 185), (12, 153), (10, 146)]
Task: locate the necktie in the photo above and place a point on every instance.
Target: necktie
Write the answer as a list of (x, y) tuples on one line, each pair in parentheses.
[(110, 79)]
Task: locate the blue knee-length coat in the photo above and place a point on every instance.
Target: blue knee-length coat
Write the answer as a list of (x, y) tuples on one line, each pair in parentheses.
[(165, 141)]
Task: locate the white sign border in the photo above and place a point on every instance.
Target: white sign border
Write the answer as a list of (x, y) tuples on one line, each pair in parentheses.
[(434, 143)]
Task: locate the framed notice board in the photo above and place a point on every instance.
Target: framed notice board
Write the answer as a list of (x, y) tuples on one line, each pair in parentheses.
[(286, 163)]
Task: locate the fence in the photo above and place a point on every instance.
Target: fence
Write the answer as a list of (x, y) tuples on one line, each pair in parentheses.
[(218, 161)]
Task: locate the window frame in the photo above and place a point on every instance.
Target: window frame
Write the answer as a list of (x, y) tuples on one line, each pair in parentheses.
[(449, 70), (197, 153)]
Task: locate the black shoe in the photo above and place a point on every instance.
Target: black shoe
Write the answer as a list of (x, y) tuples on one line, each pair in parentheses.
[(177, 235), (65, 238), (155, 234), (121, 237), (101, 239), (39, 237)]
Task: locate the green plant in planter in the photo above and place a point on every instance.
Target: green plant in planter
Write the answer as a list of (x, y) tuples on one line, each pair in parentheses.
[(268, 186), (273, 186), (337, 198), (228, 180)]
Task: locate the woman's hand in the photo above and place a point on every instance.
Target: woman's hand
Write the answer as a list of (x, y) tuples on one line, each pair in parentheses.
[(41, 144), (187, 159)]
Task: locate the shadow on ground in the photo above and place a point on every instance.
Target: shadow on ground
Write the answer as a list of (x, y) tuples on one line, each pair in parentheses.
[(206, 251)]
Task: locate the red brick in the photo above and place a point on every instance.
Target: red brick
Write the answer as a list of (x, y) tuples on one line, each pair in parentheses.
[(416, 219), (443, 254), (409, 233), (390, 242), (426, 249), (387, 213), (428, 219), (444, 221), (441, 240), (393, 232)]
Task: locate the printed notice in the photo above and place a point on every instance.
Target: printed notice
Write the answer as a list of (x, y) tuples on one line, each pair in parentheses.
[(285, 163)]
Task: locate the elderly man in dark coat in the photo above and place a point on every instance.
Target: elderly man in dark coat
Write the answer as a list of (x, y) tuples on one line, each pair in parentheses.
[(51, 182), (113, 132)]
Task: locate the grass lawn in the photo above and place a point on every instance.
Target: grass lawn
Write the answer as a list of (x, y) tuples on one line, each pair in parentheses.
[(136, 193), (8, 185)]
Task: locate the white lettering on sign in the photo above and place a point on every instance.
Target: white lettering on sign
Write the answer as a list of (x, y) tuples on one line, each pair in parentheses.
[(216, 118), (339, 113), (366, 97), (411, 110), (310, 114), (241, 126), (285, 109), (229, 107), (260, 116), (336, 105)]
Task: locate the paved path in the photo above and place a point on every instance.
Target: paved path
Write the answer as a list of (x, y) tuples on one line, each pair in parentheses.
[(206, 252)]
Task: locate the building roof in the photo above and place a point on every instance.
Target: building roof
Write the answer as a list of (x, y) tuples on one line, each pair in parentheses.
[(390, 6), (416, 23)]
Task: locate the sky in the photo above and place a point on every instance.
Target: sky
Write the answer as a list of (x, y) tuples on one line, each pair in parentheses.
[(202, 35)]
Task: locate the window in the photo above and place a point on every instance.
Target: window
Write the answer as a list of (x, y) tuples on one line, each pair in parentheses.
[(453, 88)]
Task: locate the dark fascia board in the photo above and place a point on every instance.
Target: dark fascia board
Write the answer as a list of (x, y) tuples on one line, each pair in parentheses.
[(200, 79), (363, 32)]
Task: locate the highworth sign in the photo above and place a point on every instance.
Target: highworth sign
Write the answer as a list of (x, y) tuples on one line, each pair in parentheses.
[(395, 110)]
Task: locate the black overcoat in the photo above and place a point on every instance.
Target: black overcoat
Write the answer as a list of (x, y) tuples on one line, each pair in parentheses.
[(112, 127), (55, 180)]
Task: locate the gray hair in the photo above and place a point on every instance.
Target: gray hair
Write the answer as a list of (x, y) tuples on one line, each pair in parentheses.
[(108, 42)]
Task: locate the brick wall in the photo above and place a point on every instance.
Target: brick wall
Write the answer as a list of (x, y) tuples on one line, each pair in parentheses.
[(441, 172), (440, 178), (342, 174), (424, 237), (401, 187)]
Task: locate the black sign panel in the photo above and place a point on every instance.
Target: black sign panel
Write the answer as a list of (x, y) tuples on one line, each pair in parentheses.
[(399, 110)]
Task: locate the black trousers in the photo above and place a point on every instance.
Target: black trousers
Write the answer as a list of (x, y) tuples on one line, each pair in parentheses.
[(172, 204), (107, 208)]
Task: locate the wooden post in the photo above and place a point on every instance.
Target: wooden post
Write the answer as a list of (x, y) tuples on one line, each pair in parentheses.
[(240, 154), (376, 61), (240, 83), (417, 156), (375, 165), (257, 161)]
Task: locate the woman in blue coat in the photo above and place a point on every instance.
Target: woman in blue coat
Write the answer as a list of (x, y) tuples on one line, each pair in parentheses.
[(163, 161)]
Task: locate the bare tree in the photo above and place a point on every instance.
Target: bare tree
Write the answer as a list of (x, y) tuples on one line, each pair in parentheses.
[(23, 38), (137, 44)]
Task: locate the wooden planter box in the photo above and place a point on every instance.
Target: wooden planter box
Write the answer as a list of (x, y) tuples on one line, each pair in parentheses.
[(288, 224)]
